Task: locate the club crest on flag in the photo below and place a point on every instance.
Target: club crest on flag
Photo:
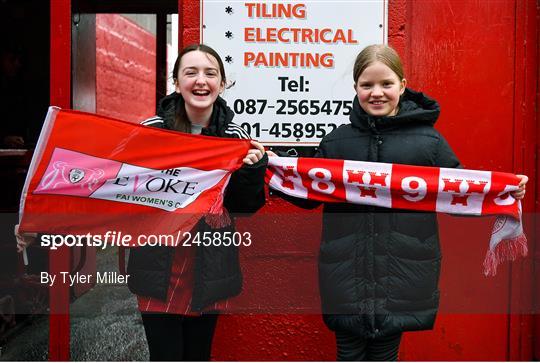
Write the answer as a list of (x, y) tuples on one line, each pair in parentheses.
[(76, 175), (73, 173), (58, 177)]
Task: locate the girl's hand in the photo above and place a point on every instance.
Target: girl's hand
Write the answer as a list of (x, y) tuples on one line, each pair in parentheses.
[(271, 153), (255, 154), (24, 240), (520, 193)]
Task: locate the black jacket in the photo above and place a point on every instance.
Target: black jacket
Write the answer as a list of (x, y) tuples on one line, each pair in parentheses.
[(217, 270), (379, 268)]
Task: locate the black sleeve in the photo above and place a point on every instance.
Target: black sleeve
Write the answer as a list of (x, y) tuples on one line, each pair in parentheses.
[(245, 192), (445, 157)]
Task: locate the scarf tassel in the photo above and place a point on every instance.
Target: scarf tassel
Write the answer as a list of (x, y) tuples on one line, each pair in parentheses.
[(217, 216), (506, 250)]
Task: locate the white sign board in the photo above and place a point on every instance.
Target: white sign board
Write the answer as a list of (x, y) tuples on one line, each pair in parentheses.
[(291, 62)]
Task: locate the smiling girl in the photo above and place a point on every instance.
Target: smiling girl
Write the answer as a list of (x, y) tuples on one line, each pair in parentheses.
[(379, 268), (181, 290)]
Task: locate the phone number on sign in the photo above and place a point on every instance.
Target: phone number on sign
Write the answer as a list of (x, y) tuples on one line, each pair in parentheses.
[(287, 129), (296, 130), (217, 239), (293, 107)]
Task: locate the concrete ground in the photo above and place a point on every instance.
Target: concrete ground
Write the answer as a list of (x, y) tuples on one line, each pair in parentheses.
[(105, 326)]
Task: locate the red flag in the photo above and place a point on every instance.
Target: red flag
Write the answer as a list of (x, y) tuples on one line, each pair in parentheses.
[(93, 174)]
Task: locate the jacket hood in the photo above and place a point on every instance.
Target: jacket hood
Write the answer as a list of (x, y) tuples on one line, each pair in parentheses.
[(414, 108), (221, 116)]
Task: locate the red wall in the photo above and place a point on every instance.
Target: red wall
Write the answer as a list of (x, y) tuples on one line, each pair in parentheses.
[(534, 95), (125, 69), (475, 58), (478, 59)]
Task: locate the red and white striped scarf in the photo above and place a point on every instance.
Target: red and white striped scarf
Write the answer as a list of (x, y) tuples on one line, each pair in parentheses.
[(454, 191)]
